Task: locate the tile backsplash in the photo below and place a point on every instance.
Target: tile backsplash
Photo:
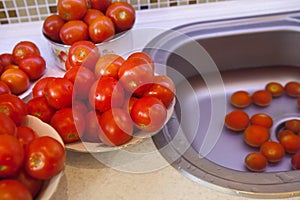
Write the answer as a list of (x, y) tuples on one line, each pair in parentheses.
[(18, 11)]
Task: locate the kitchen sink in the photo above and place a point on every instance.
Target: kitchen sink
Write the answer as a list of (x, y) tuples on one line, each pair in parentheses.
[(208, 61)]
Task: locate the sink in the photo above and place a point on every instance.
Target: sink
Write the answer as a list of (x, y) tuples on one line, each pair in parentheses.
[(208, 61)]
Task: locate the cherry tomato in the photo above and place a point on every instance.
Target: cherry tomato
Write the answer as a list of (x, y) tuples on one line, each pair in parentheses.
[(82, 79), (101, 29), (58, 92), (16, 79), (255, 135), (290, 142), (275, 88), (149, 114), (23, 49), (73, 31), (83, 53), (6, 59), (12, 189), (122, 15), (34, 66), (240, 99), (129, 102), (273, 151), (7, 125), (69, 123), (25, 135), (91, 14), (39, 86), (292, 88), (92, 127), (293, 125), (116, 127), (106, 93), (262, 119), (237, 120), (44, 157), (136, 75), (142, 55), (100, 4), (4, 89), (51, 27), (256, 162), (295, 161), (72, 9), (11, 155), (262, 98), (108, 65)]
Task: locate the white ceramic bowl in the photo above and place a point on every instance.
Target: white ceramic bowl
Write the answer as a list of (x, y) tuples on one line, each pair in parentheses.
[(41, 128), (120, 44)]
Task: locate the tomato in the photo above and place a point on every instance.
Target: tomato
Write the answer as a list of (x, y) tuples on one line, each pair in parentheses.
[(292, 88), (149, 114), (7, 125), (58, 92), (116, 127), (83, 53), (255, 135), (295, 161), (80, 106), (100, 4), (6, 59), (240, 99), (34, 66), (143, 56), (44, 157), (69, 123), (91, 14), (256, 162), (293, 125), (136, 75), (73, 31), (273, 151), (23, 49), (122, 15), (129, 102), (25, 135), (92, 127), (162, 88), (101, 29), (51, 27), (72, 9), (13, 190), (39, 86), (67, 64), (14, 107), (290, 141), (4, 89), (237, 120), (82, 79), (262, 98), (108, 65), (16, 79), (106, 93), (11, 155), (275, 88), (262, 119)]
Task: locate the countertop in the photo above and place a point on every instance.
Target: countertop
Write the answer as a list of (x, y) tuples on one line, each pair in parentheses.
[(139, 172)]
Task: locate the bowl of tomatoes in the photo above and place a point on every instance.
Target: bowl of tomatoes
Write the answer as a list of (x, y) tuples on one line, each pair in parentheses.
[(105, 23)]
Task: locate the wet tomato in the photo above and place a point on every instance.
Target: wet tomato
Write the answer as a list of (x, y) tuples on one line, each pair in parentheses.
[(73, 31), (72, 9), (100, 4), (13, 189), (122, 15), (7, 125), (4, 89), (25, 135), (101, 29), (23, 49), (44, 157), (293, 125), (255, 135), (34, 66), (39, 107), (39, 86), (92, 127), (51, 27), (237, 120), (16, 79), (262, 119), (91, 14), (292, 88), (108, 65), (256, 162), (290, 141), (295, 161), (6, 59), (273, 151), (240, 99), (262, 98), (275, 88)]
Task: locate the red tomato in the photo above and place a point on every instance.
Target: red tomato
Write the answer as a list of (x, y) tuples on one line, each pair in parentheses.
[(105, 94), (101, 29), (7, 125), (109, 65), (34, 66), (80, 106), (51, 27), (23, 49), (295, 161), (58, 93), (82, 79), (11, 155), (44, 157), (100, 4), (72, 9), (116, 127), (273, 151), (91, 14), (38, 88), (143, 56), (290, 141), (83, 53), (73, 31), (136, 75), (162, 88), (13, 190), (25, 135), (129, 102), (149, 114), (6, 59), (4, 89), (256, 162), (69, 123), (255, 135), (16, 79), (122, 15), (92, 127)]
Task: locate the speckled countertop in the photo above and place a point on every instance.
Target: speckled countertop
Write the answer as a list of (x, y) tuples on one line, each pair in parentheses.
[(144, 174)]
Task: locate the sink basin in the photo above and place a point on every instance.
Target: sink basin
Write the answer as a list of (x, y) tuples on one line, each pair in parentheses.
[(208, 61)]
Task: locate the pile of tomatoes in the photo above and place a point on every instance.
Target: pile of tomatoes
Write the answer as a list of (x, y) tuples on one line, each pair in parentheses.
[(20, 67), (103, 98), (256, 128), (26, 159), (95, 20)]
